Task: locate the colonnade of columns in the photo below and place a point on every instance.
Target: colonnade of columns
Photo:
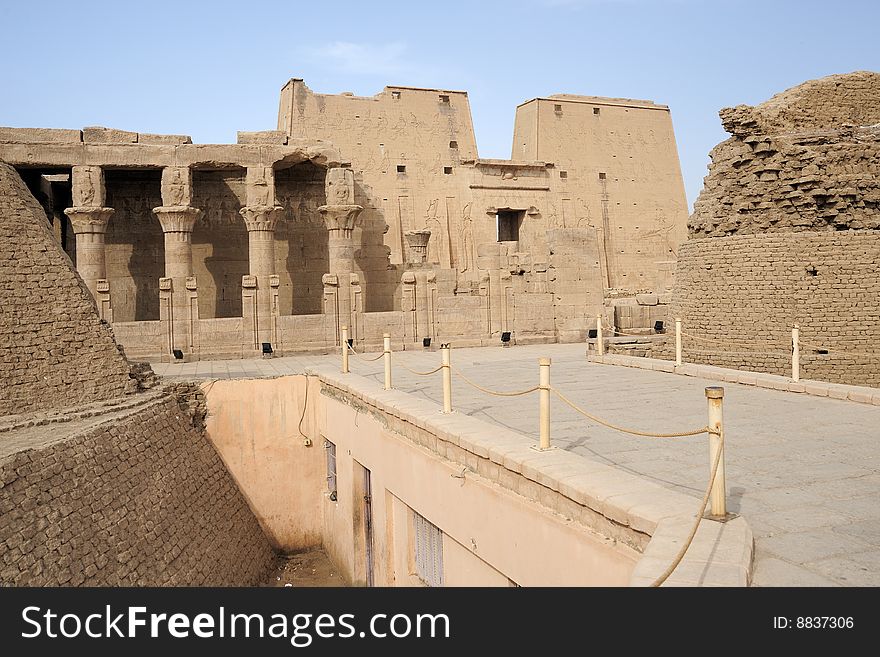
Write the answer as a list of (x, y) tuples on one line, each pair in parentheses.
[(178, 289)]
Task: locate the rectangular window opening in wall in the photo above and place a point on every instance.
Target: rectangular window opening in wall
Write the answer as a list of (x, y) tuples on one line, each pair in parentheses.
[(596, 111), (444, 98), (395, 95), (453, 144), (331, 468), (509, 222), (401, 168), (428, 547), (557, 109), (563, 174), (601, 176), (447, 170)]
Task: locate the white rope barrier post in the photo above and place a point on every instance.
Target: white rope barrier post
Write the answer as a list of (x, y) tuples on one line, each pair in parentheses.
[(600, 343), (386, 344), (677, 341), (344, 350), (447, 378), (544, 393), (717, 498), (795, 353)]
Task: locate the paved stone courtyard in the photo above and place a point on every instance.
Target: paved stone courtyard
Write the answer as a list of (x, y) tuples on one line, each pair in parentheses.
[(803, 470)]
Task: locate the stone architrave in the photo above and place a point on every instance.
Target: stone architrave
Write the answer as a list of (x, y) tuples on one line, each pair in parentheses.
[(260, 310), (178, 291)]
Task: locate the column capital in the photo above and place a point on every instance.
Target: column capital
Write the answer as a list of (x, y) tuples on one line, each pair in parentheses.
[(261, 217), (341, 217), (177, 218), (89, 219), (417, 241)]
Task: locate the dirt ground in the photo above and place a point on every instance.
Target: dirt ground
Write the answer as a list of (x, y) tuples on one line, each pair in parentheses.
[(312, 568)]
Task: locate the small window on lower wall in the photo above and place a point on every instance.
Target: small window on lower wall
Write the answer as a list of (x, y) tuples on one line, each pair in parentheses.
[(428, 546), (447, 170), (331, 468)]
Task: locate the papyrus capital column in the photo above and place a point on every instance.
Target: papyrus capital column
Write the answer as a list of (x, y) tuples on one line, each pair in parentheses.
[(178, 294), (418, 288), (260, 286), (90, 226), (341, 216), (417, 241), (89, 219)]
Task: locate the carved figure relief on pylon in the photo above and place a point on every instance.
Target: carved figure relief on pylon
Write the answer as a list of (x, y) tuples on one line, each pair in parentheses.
[(466, 239), (662, 232)]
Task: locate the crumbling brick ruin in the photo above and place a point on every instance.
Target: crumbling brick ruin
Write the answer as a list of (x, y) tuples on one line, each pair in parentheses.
[(805, 160), (54, 351), (786, 231), (101, 483), (374, 213)]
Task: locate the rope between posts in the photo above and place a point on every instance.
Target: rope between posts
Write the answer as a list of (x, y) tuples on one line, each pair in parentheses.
[(364, 358), (428, 373), (719, 341), (634, 432), (690, 539), (497, 393)]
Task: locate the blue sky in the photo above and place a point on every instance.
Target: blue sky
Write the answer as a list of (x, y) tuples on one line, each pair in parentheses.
[(208, 69)]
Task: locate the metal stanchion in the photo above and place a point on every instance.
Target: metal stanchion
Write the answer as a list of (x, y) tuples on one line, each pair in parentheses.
[(544, 394), (447, 378), (345, 350), (717, 498), (678, 341), (600, 342), (386, 341), (795, 353)]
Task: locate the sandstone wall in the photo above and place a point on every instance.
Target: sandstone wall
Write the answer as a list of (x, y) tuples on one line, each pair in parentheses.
[(806, 160), (141, 500), (748, 290), (621, 171), (415, 156), (54, 351), (134, 244)]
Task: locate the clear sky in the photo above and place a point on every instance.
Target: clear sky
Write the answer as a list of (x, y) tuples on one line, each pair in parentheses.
[(208, 69)]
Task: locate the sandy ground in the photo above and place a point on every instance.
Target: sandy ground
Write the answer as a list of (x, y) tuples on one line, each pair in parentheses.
[(312, 568)]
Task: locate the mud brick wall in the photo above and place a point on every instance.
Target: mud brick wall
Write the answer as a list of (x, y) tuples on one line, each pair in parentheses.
[(54, 351), (142, 500), (808, 159), (748, 290)]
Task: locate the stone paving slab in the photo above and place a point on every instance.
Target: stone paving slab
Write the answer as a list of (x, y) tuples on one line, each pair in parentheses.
[(804, 470)]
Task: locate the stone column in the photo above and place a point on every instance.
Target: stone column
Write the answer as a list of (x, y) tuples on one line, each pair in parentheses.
[(340, 218), (259, 290), (178, 292), (419, 285), (89, 218)]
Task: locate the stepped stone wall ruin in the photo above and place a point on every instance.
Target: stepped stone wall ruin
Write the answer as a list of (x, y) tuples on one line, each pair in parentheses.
[(808, 159), (787, 230), (54, 351), (137, 500)]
